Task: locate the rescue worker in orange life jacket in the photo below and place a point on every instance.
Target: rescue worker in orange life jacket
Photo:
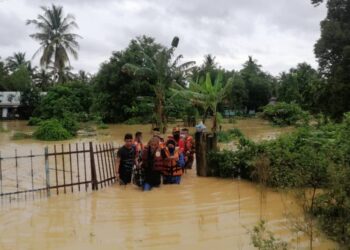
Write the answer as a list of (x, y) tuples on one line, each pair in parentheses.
[(173, 163), (178, 140), (189, 148)]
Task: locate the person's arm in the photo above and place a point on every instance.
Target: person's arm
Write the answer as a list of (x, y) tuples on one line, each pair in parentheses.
[(117, 164), (181, 160)]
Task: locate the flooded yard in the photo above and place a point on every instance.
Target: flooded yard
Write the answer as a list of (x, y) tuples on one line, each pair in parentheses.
[(201, 213)]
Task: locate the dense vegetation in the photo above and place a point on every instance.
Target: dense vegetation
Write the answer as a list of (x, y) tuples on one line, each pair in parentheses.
[(312, 156), (285, 114)]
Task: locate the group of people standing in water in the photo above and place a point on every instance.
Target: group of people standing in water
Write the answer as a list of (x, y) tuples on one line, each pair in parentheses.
[(147, 165)]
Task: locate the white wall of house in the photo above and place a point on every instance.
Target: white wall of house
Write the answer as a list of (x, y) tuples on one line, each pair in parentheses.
[(4, 112), (8, 100)]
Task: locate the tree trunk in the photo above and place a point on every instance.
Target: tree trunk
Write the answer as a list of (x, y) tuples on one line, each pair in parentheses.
[(214, 122)]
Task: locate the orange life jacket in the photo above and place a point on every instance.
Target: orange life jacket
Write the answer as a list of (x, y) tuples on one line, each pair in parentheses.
[(170, 164), (189, 145), (158, 161)]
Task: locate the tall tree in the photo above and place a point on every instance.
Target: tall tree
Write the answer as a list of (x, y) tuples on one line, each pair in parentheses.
[(332, 51), (118, 89), (55, 38), (165, 71), (3, 75), (43, 79), (258, 84), (16, 61), (302, 86)]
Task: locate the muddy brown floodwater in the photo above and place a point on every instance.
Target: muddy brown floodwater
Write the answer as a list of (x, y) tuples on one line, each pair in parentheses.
[(200, 213)]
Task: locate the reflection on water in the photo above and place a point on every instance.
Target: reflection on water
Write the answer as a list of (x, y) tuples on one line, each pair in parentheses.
[(201, 213)]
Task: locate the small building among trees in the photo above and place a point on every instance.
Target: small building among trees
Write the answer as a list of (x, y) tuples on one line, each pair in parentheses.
[(9, 103)]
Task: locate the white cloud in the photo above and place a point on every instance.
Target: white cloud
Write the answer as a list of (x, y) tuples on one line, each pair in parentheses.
[(279, 34)]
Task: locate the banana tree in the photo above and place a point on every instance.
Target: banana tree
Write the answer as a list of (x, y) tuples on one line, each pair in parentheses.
[(207, 95), (164, 71)]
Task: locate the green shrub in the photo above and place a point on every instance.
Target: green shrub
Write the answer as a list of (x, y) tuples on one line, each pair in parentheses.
[(223, 163), (20, 136), (75, 98), (285, 114), (51, 130), (137, 120), (229, 135), (332, 208), (263, 239), (34, 121), (102, 126), (317, 157), (70, 124)]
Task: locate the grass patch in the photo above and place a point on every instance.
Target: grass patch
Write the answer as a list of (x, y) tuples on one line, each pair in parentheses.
[(2, 130), (20, 136), (102, 126)]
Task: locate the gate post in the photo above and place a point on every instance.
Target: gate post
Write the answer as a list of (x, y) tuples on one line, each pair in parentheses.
[(47, 171), (93, 168)]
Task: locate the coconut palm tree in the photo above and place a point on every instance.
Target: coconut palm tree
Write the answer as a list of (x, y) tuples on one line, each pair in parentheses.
[(165, 72), (207, 95), (83, 76), (16, 61), (55, 38), (43, 79)]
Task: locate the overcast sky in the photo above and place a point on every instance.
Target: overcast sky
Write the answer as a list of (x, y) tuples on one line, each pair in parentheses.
[(279, 34)]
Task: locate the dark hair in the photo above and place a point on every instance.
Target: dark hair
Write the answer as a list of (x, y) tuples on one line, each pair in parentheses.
[(184, 129), (138, 133), (170, 141), (156, 129), (128, 136)]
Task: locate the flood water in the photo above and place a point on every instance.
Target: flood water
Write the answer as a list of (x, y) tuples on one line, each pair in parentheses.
[(201, 213)]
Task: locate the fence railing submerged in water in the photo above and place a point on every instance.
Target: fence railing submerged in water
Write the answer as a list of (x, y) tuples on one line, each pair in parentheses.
[(60, 169)]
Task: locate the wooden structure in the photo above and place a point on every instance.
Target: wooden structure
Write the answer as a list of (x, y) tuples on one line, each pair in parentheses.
[(205, 142)]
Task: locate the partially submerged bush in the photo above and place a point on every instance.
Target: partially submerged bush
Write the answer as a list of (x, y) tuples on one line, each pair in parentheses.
[(263, 239), (70, 123), (51, 130), (20, 136), (34, 121), (285, 114), (102, 126), (229, 135), (316, 157)]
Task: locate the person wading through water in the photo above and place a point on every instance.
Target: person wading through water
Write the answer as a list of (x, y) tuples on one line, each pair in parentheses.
[(178, 140), (138, 176), (125, 162), (152, 163), (189, 148), (173, 163)]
